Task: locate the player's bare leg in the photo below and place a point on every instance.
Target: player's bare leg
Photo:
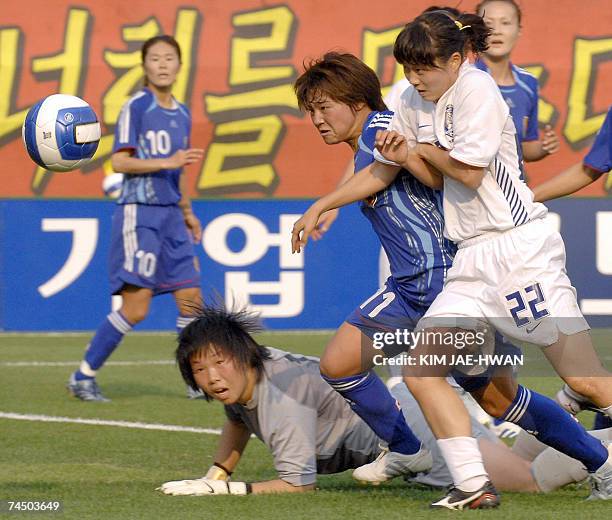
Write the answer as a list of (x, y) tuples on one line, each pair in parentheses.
[(135, 303), (187, 299), (346, 365), (576, 361), (348, 353), (450, 422), (508, 471)]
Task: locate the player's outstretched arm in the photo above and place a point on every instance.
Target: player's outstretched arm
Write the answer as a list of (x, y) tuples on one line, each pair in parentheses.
[(328, 218), (367, 182), (468, 175), (567, 182), (234, 438), (124, 162)]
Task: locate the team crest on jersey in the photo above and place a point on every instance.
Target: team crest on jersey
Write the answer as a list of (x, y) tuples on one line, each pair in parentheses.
[(448, 124)]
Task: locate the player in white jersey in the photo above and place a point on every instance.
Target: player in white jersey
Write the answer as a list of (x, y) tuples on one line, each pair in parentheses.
[(509, 271), (510, 268), (309, 428)]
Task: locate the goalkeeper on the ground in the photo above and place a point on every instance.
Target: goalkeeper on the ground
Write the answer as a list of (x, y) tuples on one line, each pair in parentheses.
[(309, 428)]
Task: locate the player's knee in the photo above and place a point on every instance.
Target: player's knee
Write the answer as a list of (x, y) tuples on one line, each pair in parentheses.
[(328, 369), (135, 314)]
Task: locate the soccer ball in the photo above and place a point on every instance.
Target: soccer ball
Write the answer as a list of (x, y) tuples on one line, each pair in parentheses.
[(111, 185), (61, 133)]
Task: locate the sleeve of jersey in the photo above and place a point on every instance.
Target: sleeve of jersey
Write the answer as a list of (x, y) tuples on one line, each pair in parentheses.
[(401, 123), (532, 133), (293, 443), (479, 117), (598, 157), (126, 131)]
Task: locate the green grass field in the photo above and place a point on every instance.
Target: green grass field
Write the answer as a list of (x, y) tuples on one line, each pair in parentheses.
[(105, 471)]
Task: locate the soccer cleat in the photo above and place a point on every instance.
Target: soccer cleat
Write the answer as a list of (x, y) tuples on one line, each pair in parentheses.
[(86, 390), (574, 402), (601, 480), (390, 464), (484, 498), (504, 429)]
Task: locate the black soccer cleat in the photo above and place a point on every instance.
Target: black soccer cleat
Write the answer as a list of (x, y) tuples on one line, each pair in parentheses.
[(486, 497)]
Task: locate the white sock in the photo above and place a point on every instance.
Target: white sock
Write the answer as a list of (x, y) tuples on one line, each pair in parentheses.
[(87, 370), (464, 461), (607, 411)]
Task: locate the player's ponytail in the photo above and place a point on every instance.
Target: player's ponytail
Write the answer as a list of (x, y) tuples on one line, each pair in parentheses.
[(475, 32), (437, 35)]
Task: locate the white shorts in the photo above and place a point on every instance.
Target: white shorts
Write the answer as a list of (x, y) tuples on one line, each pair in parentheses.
[(513, 280)]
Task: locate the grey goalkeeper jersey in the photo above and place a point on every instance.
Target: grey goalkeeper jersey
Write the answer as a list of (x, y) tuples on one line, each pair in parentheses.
[(308, 427)]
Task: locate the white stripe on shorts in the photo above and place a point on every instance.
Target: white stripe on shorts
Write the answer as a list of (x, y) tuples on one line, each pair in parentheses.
[(130, 239)]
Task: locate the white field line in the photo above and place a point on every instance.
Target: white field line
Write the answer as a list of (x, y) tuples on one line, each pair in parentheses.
[(76, 363), (101, 422)]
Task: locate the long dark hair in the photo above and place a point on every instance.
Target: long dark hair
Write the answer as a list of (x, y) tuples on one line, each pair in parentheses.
[(437, 35), (225, 331), (341, 76)]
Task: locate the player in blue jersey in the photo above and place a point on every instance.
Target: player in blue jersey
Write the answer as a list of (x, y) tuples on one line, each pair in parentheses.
[(518, 87), (153, 226), (342, 96)]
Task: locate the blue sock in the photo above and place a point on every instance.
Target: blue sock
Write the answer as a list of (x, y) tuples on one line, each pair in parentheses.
[(104, 342), (370, 399), (602, 422), (552, 425), (182, 322)]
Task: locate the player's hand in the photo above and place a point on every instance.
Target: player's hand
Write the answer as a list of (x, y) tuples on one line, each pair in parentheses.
[(303, 228), (325, 222), (182, 158), (550, 141), (203, 486), (194, 226), (392, 146)]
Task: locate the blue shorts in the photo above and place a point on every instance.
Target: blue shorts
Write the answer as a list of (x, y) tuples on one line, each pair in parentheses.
[(152, 248), (386, 310), (472, 383)]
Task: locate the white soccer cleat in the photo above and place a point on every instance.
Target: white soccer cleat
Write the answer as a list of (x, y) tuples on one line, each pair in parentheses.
[(573, 402), (601, 480), (504, 429), (390, 464)]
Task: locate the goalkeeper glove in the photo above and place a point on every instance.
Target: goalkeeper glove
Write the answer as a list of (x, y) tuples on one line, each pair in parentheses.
[(205, 486)]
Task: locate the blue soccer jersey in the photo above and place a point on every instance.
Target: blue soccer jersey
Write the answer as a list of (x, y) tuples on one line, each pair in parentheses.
[(522, 99), (407, 217), (152, 132), (599, 157)]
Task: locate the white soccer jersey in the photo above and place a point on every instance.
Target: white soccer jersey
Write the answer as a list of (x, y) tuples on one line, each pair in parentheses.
[(473, 122), (392, 98)]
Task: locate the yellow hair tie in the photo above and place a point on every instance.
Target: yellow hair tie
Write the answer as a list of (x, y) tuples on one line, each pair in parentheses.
[(461, 26)]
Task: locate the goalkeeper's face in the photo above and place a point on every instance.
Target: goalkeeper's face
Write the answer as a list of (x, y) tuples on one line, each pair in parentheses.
[(222, 378)]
